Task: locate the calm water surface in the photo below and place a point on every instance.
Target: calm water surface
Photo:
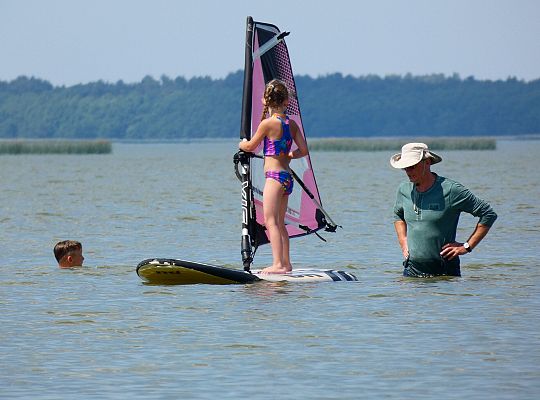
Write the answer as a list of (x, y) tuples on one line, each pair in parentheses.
[(98, 332)]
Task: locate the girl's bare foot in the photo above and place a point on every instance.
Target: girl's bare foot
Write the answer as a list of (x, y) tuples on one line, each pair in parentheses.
[(276, 270)]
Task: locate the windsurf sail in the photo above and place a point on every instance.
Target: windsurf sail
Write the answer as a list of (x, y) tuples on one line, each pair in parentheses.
[(267, 58)]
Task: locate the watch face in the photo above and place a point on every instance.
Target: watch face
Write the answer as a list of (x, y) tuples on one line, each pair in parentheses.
[(466, 245)]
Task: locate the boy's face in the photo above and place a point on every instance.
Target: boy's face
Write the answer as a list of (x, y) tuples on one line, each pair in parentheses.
[(75, 258), (78, 258)]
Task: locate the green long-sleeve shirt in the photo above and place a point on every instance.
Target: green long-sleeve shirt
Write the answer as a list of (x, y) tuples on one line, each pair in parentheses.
[(432, 218)]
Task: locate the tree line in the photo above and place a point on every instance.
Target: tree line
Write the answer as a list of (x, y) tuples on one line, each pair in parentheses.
[(332, 106)]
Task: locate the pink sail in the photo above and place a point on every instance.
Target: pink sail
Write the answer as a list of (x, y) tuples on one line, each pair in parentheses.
[(270, 60)]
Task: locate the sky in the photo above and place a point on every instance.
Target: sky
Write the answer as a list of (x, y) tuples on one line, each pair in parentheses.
[(68, 42)]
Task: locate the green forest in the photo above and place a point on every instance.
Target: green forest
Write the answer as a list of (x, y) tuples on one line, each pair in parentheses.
[(332, 106)]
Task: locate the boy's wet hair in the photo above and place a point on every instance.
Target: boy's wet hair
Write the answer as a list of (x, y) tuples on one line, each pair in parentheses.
[(65, 247)]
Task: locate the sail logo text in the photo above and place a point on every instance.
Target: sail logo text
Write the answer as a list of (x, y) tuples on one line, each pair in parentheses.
[(245, 185)]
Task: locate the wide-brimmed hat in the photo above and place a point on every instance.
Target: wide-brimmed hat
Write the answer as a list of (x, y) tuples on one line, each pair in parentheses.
[(411, 154)]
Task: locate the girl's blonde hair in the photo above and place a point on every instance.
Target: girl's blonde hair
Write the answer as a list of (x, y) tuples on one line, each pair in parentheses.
[(275, 94)]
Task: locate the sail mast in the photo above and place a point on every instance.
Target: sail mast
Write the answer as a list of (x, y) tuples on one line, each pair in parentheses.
[(245, 127), (248, 208)]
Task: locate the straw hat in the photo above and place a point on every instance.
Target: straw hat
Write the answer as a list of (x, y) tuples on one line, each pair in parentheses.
[(411, 154)]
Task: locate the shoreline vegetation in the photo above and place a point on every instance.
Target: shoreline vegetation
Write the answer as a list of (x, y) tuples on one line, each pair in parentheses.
[(35, 146), (366, 144), (339, 144), (180, 108)]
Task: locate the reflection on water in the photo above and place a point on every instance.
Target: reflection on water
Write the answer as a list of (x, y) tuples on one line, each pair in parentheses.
[(99, 332)]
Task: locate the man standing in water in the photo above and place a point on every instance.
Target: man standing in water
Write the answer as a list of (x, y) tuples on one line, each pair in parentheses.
[(426, 215)]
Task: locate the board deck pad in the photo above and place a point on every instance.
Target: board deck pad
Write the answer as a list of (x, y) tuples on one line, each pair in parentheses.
[(307, 275)]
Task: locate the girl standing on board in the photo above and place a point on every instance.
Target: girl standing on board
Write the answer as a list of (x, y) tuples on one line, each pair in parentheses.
[(278, 133)]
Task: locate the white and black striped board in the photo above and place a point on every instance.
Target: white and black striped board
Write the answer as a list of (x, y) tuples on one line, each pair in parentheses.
[(167, 271)]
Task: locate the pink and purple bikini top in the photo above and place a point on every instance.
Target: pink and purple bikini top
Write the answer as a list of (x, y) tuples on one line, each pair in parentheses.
[(283, 145)]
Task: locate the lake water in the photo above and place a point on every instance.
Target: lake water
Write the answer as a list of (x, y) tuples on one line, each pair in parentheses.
[(99, 332)]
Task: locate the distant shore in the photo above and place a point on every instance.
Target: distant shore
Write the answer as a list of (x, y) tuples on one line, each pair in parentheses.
[(371, 144), (48, 146)]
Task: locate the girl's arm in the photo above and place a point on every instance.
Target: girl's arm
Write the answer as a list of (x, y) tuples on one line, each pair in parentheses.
[(250, 145), (300, 141)]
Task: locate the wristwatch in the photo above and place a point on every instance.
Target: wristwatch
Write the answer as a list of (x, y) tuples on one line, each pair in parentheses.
[(467, 247)]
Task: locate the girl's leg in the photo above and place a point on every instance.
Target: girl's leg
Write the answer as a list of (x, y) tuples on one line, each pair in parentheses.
[(286, 259), (272, 205)]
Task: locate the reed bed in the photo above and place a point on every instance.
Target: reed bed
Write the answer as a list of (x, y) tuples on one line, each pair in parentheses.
[(368, 144), (21, 146)]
